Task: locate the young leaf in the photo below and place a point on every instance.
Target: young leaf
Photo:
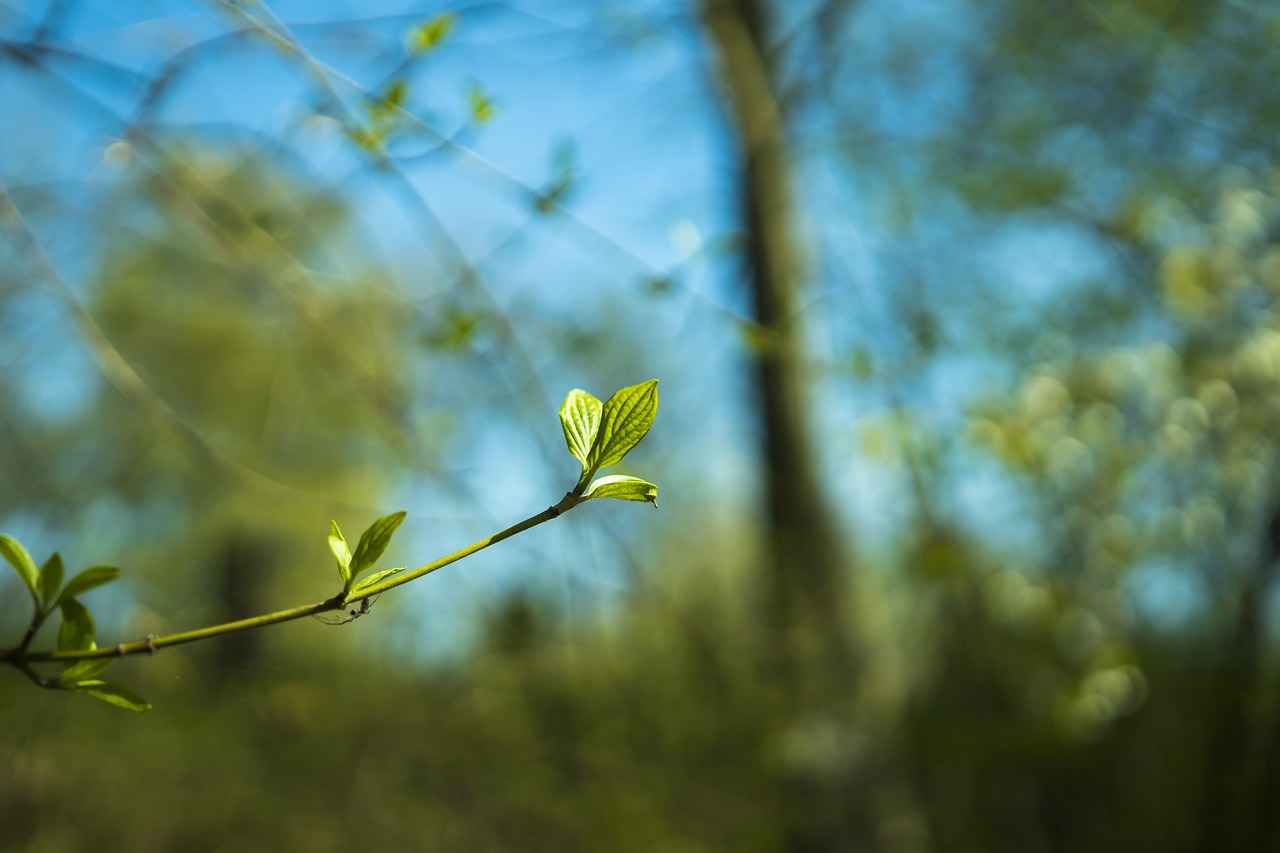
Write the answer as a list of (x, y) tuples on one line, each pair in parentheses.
[(77, 630), (373, 579), (624, 488), (580, 418), (82, 669), (22, 564), (94, 576), (374, 541), (50, 579), (112, 694), (625, 418), (338, 545)]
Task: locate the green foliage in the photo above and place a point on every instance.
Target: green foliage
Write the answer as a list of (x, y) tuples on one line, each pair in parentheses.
[(601, 435), (90, 578), (596, 435), (624, 488), (372, 579), (338, 545), (77, 629), (373, 542), (77, 634), (580, 419), (624, 420)]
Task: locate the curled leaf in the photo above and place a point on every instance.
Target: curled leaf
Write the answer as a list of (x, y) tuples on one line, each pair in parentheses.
[(341, 553), (624, 488), (580, 418)]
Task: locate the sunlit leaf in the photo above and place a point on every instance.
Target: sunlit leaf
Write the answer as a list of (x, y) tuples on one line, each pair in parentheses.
[(625, 419), (338, 545), (22, 564), (82, 669), (112, 694), (76, 633), (90, 578), (580, 418), (50, 580), (374, 541), (624, 488)]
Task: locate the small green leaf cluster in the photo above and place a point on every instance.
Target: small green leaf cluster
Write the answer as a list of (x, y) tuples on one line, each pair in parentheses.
[(373, 542), (601, 434), (76, 633)]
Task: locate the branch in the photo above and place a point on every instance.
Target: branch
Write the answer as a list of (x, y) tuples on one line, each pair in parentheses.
[(597, 434), (19, 656)]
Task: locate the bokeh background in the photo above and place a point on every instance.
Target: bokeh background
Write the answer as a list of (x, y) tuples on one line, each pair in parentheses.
[(965, 319)]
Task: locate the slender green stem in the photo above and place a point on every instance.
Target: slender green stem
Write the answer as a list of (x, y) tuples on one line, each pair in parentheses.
[(568, 502), (20, 657)]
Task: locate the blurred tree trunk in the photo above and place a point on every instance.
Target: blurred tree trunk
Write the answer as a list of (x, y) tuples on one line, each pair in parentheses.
[(808, 651), (803, 554)]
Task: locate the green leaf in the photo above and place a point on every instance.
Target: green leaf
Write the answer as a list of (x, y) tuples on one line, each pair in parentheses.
[(82, 669), (50, 579), (22, 564), (580, 418), (624, 420), (374, 541), (76, 633), (90, 578), (429, 34), (338, 545), (373, 579), (112, 694), (624, 488)]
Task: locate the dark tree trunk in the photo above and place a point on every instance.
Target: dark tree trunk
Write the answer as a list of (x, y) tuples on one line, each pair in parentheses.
[(803, 556), (807, 651)]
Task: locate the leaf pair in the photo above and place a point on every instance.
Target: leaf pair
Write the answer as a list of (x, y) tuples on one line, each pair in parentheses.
[(373, 542), (76, 632), (599, 435)]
